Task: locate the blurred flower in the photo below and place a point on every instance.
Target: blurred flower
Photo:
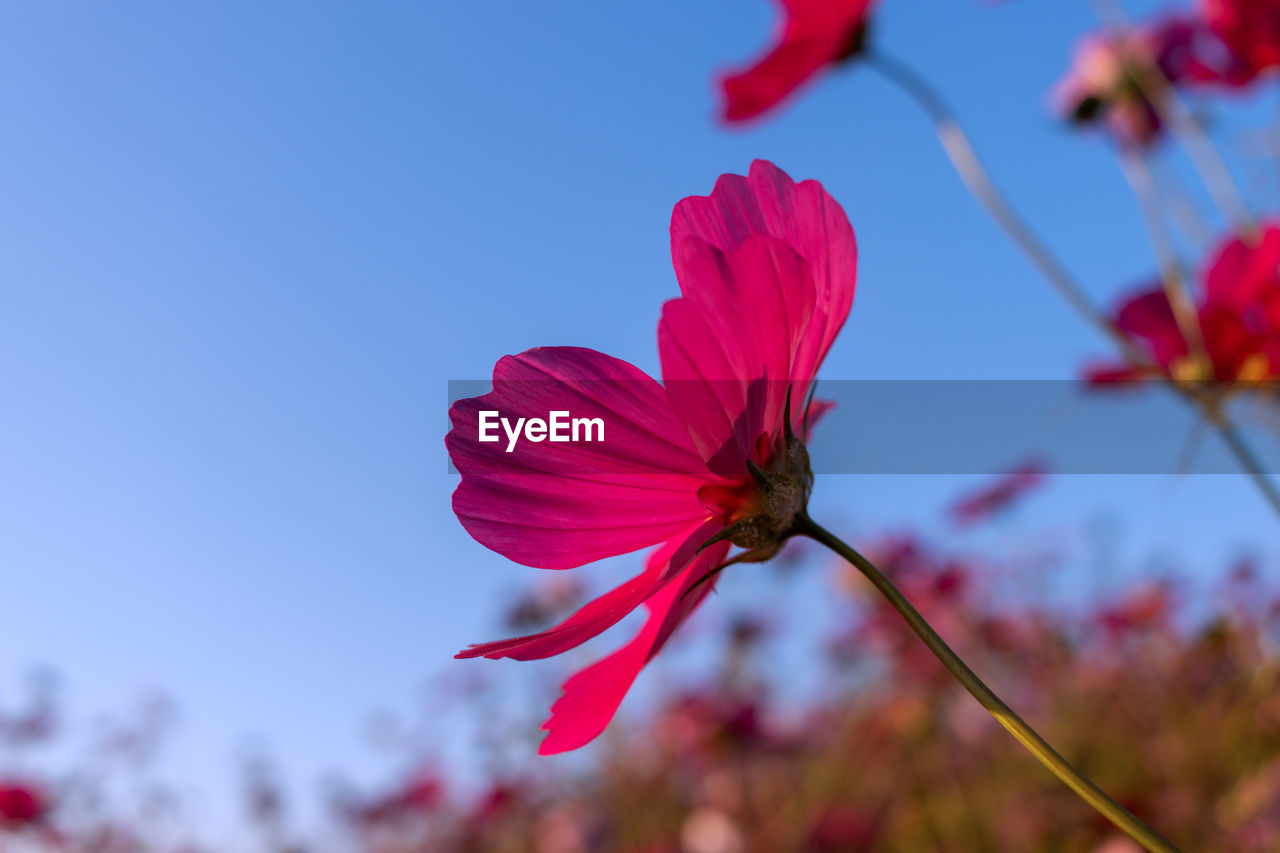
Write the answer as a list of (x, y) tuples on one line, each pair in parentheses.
[(544, 602), (566, 828), (999, 494), (814, 35), (1144, 609), (1238, 317), (496, 800), (418, 795), (21, 804), (842, 828), (767, 269), (707, 723), (711, 831), (1250, 30), (1117, 844), (1115, 76)]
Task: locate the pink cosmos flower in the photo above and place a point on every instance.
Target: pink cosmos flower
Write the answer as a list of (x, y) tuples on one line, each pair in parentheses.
[(710, 457), (1238, 317), (1114, 76), (21, 804), (1250, 30), (814, 34), (998, 494)]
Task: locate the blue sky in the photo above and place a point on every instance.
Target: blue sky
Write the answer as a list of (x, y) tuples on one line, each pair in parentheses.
[(244, 247)]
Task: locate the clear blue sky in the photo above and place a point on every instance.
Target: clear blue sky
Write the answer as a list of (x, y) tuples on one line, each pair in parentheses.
[(243, 247)]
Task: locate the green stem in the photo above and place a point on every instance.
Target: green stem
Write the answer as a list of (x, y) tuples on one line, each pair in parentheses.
[(1248, 460), (964, 159), (1036, 745), (968, 166)]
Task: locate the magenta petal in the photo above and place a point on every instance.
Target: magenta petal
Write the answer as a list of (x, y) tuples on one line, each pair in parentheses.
[(728, 347), (591, 697), (815, 33), (605, 611), (1149, 316), (1241, 274), (804, 217), (774, 76), (560, 505)]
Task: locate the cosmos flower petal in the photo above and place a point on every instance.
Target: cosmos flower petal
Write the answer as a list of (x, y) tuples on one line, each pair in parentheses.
[(1241, 273), (1149, 317), (560, 505), (728, 346), (1237, 318), (1250, 31), (605, 611), (591, 697), (814, 34), (804, 217), (999, 493), (764, 85)]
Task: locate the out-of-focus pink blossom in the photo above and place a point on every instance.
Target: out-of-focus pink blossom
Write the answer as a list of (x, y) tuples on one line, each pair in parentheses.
[(814, 34), (841, 828), (1250, 31), (1144, 609), (1116, 79), (1238, 319), (418, 795), (999, 494), (711, 831), (545, 601), (21, 804)]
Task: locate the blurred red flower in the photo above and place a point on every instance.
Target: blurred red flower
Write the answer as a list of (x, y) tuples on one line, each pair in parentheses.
[(1115, 79), (420, 794), (1145, 608), (767, 271), (1250, 30), (998, 494), (21, 804), (1238, 316), (814, 34), (841, 828)]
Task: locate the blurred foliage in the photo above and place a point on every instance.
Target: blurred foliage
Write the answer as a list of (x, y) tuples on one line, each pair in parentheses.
[(1176, 714), (1167, 698)]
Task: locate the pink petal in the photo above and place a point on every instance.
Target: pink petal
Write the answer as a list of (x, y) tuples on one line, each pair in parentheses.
[(605, 611), (774, 76), (1106, 373), (1148, 316), (804, 217), (728, 347), (1241, 274), (560, 505), (815, 33), (998, 493), (591, 698)]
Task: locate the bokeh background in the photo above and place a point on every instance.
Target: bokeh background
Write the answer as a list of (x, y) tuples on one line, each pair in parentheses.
[(245, 246)]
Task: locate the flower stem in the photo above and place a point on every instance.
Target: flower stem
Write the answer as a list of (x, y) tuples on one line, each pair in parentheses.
[(1248, 460), (963, 157), (1163, 97), (1172, 276), (1036, 745)]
